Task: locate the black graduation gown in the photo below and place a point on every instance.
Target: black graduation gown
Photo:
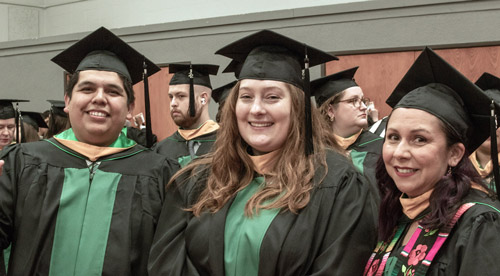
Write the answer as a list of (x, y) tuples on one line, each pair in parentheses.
[(31, 189), (365, 152), (333, 235), (175, 147), (473, 245)]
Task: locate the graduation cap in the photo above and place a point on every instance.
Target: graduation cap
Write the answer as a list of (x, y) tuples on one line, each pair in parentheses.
[(234, 67), (490, 85), (329, 86), (220, 94), (267, 55), (34, 119), (192, 74), (104, 51), (57, 107), (8, 111), (434, 86)]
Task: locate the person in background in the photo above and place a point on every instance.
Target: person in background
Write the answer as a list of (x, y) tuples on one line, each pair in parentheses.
[(269, 200), (436, 215), (58, 119), (343, 106), (220, 95), (481, 158), (189, 91), (42, 130), (8, 122), (31, 123), (87, 200)]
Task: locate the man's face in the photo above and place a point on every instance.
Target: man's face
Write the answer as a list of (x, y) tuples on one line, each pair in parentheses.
[(98, 107), (7, 129), (179, 106)]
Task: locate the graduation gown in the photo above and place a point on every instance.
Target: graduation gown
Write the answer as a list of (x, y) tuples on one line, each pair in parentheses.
[(175, 147), (365, 152), (63, 220), (332, 235), (473, 245)]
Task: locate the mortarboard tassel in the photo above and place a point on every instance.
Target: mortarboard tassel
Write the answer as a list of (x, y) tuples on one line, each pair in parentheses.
[(309, 147), (149, 130), (192, 111), (494, 149), (18, 123)]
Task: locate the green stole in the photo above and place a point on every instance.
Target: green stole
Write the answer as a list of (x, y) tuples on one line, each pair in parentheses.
[(243, 235), (85, 213)]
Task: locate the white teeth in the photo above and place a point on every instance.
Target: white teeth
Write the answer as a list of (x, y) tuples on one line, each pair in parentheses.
[(261, 124), (97, 113), (405, 170)]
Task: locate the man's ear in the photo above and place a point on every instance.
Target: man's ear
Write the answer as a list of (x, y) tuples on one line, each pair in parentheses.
[(66, 102), (130, 110)]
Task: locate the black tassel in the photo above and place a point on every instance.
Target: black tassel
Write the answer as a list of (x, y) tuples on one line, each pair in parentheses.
[(494, 148), (149, 130), (309, 146), (192, 111), (18, 123)]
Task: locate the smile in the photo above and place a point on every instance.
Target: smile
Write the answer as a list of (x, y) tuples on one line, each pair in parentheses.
[(260, 124), (97, 114), (405, 171)]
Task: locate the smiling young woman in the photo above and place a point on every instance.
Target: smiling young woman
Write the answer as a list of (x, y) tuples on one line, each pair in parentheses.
[(268, 206)]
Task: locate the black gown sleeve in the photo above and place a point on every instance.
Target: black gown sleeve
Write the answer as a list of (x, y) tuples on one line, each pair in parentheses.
[(473, 247), (168, 254), (351, 228), (8, 193)]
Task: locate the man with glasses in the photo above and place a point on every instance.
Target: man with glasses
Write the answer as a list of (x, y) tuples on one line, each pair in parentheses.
[(343, 106)]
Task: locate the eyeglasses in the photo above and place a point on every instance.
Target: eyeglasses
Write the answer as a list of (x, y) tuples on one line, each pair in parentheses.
[(356, 102)]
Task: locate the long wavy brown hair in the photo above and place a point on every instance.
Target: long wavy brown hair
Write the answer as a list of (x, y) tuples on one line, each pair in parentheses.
[(292, 179)]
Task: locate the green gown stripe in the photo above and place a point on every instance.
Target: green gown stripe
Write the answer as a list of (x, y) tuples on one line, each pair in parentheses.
[(358, 158), (83, 222), (184, 160), (243, 235)]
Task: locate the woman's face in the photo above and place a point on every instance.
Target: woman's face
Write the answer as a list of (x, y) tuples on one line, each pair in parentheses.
[(263, 113), (350, 113), (415, 151)]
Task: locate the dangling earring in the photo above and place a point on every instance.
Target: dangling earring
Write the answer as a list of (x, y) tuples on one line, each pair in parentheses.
[(448, 173)]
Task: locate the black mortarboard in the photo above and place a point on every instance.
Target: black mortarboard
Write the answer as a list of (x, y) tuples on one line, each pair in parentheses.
[(57, 107), (7, 110), (220, 94), (490, 85), (434, 86), (192, 74), (329, 86), (267, 55), (102, 50), (235, 67), (34, 119)]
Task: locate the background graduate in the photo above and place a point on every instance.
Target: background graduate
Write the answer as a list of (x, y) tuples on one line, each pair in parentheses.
[(190, 91), (343, 106), (86, 201), (436, 217), (264, 202)]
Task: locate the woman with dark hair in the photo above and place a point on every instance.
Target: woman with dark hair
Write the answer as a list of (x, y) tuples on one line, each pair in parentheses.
[(268, 200), (436, 216), (58, 119)]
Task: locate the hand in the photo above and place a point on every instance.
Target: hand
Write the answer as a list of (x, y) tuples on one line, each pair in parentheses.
[(372, 112), (1, 166)]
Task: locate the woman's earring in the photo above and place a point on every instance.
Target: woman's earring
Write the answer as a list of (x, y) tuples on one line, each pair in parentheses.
[(448, 173), (331, 118)]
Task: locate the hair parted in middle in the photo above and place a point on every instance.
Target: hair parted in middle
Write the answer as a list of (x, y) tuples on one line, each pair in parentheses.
[(291, 180)]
